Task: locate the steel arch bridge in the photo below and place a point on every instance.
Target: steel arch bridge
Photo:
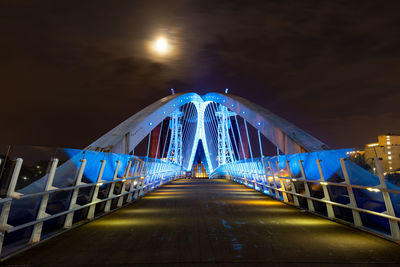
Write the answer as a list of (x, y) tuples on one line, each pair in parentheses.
[(228, 134), (284, 135)]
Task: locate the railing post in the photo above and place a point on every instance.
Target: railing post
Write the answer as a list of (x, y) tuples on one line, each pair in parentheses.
[(134, 187), (141, 181), (157, 180), (162, 171), (265, 187), (353, 203), (72, 204), (5, 210), (310, 203), (37, 228), (14, 179), (94, 198), (273, 179), (143, 184), (129, 197), (112, 186), (329, 208), (293, 189), (283, 188), (394, 226), (254, 175), (138, 181), (153, 177), (122, 191)]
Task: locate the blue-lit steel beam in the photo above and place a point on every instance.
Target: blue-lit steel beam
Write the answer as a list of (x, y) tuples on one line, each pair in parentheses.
[(286, 136)]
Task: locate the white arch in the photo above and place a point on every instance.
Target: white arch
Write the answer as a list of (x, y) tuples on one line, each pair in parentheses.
[(286, 136), (283, 134), (124, 138)]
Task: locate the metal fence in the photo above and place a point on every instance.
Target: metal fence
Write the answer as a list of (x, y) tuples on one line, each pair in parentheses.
[(29, 216), (338, 190)]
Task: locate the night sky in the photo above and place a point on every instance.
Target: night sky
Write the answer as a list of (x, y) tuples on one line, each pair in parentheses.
[(72, 70)]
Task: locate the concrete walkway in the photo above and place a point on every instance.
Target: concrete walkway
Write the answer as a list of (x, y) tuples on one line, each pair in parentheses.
[(211, 223)]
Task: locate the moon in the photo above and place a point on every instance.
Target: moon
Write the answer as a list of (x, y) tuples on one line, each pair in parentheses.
[(161, 45)]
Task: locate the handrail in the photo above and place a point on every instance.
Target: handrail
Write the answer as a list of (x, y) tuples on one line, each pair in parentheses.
[(265, 180), (141, 182)]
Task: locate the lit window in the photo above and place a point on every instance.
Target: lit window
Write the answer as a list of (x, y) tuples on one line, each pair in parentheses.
[(390, 168), (388, 142), (390, 157), (389, 152), (390, 162), (387, 137), (388, 147)]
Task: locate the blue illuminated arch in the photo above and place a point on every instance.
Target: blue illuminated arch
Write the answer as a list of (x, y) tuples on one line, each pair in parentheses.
[(283, 134)]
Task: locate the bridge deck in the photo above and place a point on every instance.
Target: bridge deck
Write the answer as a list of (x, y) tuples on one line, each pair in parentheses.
[(215, 222)]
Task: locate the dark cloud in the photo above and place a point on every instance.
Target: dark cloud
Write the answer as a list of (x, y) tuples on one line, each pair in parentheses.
[(72, 70)]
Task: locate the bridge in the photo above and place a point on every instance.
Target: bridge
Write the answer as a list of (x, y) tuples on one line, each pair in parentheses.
[(190, 179)]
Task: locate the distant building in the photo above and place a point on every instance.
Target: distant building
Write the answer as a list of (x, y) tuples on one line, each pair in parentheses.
[(199, 170), (387, 148)]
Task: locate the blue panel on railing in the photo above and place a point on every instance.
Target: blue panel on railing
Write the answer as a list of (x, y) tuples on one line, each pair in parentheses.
[(330, 163), (94, 163), (25, 209)]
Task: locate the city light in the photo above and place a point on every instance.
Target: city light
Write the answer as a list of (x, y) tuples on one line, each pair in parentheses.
[(373, 189), (373, 144)]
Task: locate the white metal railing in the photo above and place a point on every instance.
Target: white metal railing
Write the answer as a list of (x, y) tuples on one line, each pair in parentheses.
[(130, 188), (271, 182)]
